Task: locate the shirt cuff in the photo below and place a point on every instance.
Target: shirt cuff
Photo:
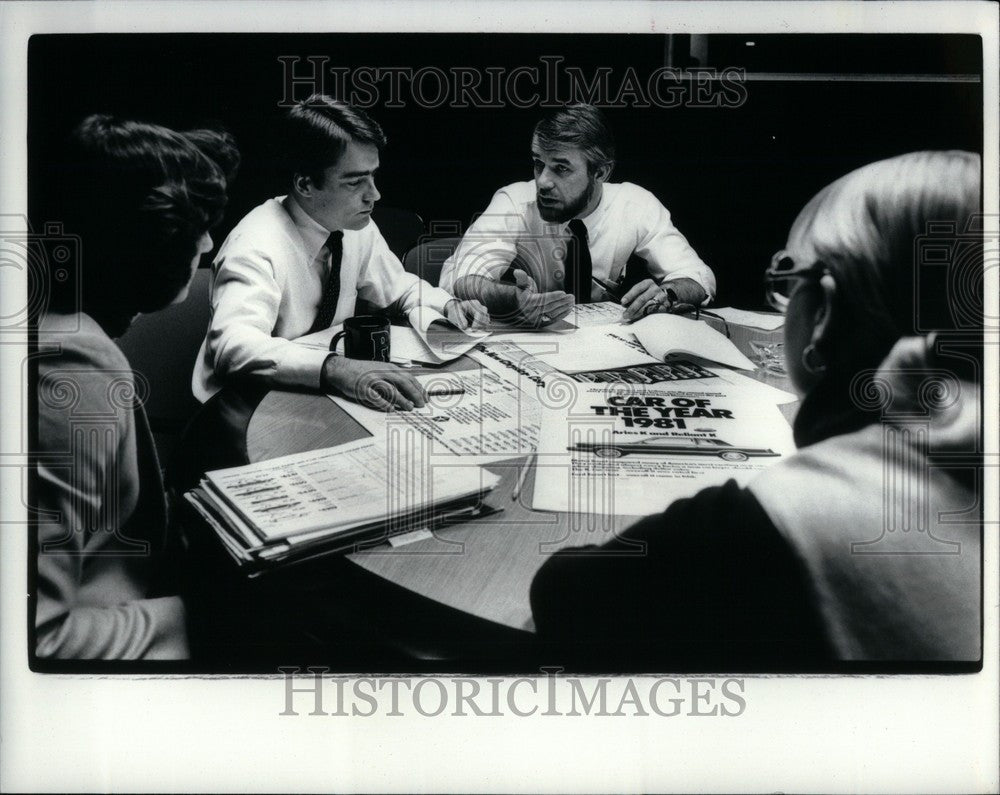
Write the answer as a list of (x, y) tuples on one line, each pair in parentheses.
[(436, 298), (300, 366)]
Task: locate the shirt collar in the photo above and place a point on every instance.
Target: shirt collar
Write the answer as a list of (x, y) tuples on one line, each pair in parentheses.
[(314, 234)]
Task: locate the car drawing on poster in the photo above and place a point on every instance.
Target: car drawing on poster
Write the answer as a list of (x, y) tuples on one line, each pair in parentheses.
[(671, 446)]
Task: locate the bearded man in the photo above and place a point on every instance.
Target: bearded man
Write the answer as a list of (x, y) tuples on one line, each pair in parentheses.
[(543, 246)]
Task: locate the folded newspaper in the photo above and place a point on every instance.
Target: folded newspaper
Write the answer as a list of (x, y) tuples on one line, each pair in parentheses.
[(338, 499)]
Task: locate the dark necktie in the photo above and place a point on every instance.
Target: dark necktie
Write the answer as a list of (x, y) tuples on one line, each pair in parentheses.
[(579, 267), (331, 291)]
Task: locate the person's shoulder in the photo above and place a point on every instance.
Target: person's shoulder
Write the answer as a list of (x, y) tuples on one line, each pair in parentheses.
[(629, 192), (81, 372), (266, 219), (518, 193), (272, 211), (266, 230), (80, 341)]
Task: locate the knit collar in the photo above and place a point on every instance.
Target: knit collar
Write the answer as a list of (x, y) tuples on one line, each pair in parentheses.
[(831, 408)]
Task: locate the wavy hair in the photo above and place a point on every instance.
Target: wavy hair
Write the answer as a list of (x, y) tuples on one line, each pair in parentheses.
[(140, 196), (865, 228), (581, 126), (317, 131)]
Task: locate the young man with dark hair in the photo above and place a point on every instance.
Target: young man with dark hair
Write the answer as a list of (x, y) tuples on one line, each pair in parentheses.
[(560, 237), (298, 263), (142, 198)]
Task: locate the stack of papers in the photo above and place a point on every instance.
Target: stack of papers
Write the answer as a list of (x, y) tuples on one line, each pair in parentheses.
[(338, 499)]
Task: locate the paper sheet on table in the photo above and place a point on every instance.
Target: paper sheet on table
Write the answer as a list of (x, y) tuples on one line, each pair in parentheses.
[(404, 344), (592, 348), (768, 321), (752, 385), (319, 339), (490, 421), (601, 313), (321, 490), (663, 334), (441, 340), (408, 343), (624, 449), (511, 331), (676, 369)]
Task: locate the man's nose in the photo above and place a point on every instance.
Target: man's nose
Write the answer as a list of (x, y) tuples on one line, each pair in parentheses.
[(372, 193), (544, 180)]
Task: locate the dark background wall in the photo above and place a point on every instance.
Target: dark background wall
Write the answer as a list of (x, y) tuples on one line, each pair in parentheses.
[(733, 177)]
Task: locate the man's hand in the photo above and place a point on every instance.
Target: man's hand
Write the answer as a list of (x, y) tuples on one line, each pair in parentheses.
[(647, 297), (464, 314), (535, 309), (519, 302), (378, 385)]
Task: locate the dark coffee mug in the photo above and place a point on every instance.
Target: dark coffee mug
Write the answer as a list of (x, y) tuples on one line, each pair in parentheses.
[(365, 337)]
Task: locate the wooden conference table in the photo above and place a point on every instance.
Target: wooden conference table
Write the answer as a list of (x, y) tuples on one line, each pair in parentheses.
[(474, 576)]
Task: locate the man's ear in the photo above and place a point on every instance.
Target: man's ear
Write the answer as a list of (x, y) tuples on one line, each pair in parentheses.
[(603, 171), (302, 185), (825, 319)]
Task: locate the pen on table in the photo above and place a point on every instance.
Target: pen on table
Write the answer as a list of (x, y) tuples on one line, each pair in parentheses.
[(521, 478), (610, 289), (446, 392)]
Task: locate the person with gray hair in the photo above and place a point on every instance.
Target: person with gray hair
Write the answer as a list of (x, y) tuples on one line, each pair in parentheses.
[(543, 246), (862, 547)]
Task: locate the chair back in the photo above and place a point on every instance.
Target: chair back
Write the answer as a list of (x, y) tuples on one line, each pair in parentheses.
[(163, 346), (427, 258), (400, 228)]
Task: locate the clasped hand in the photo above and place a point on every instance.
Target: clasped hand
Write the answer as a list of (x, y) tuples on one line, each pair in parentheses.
[(647, 297)]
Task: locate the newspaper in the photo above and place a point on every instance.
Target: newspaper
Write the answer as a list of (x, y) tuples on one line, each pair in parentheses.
[(481, 416), (633, 448)]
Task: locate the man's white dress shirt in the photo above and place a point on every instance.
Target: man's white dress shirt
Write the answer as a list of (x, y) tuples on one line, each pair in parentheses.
[(628, 220), (268, 280)]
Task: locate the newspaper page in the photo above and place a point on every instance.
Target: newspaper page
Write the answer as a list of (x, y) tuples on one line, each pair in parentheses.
[(633, 449), (481, 415)]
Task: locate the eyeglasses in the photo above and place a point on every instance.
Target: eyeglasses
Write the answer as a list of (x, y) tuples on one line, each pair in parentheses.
[(783, 274), (689, 309)]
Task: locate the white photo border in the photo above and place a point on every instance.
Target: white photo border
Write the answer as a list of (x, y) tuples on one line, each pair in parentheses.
[(796, 733)]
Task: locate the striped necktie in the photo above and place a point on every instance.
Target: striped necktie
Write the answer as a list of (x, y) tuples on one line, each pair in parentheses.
[(331, 291)]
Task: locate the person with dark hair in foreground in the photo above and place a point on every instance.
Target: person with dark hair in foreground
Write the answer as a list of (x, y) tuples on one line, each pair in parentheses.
[(862, 547), (542, 246), (142, 199), (298, 263)]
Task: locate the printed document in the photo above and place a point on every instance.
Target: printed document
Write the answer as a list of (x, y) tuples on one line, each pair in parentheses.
[(478, 415), (663, 334), (632, 449), (769, 321), (591, 348), (338, 487)]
